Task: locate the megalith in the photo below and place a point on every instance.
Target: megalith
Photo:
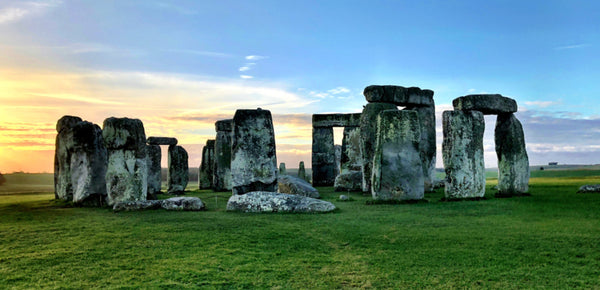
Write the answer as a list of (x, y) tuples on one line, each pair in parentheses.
[(427, 145), (206, 172), (63, 186), (178, 176), (462, 150), (350, 159), (397, 170), (513, 162), (301, 171), (488, 104), (222, 167), (338, 159), (253, 152), (154, 170), (127, 173), (282, 170), (323, 156)]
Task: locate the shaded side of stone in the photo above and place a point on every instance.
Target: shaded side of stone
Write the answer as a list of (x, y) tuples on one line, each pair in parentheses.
[(88, 165), (162, 141), (323, 157), (253, 152), (292, 185), (222, 169), (302, 171), (335, 120), (260, 201), (427, 145), (399, 96), (338, 159), (350, 159), (349, 181), (397, 168), (178, 176), (154, 174), (513, 162), (206, 172), (462, 152), (282, 169), (368, 137), (489, 104)]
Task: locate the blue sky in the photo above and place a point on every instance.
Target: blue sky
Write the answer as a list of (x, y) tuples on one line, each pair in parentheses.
[(181, 65)]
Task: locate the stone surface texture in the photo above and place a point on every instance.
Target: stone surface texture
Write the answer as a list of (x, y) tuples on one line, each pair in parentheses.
[(137, 205), (261, 201), (338, 159), (207, 166), (282, 170), (222, 170), (397, 168), (427, 145), (293, 185), (161, 141), (368, 136), (63, 186), (253, 152), (335, 120), (127, 173), (350, 159), (462, 150), (398, 95), (154, 171), (349, 181), (513, 162), (491, 104), (178, 176), (183, 203), (589, 188), (323, 157)]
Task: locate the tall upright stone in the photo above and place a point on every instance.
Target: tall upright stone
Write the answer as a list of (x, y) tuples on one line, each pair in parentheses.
[(127, 174), (206, 172), (282, 169), (397, 168), (154, 170), (63, 186), (253, 153), (222, 171), (513, 162), (301, 171), (350, 159), (462, 150), (178, 176), (338, 159), (323, 156), (427, 145), (368, 136)]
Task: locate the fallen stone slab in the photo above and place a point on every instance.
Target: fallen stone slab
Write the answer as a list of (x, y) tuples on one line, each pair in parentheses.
[(262, 201), (589, 188), (183, 203), (349, 181), (137, 205), (489, 104), (161, 141), (398, 95), (293, 185)]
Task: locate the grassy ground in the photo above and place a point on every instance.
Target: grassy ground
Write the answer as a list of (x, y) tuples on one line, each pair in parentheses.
[(549, 240)]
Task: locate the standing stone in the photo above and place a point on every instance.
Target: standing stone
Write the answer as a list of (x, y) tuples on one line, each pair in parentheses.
[(462, 150), (206, 172), (63, 186), (301, 171), (222, 171), (397, 169), (338, 159), (513, 162), (427, 145), (127, 174), (350, 159), (88, 165), (323, 157), (154, 174), (368, 134), (2, 179), (178, 177), (253, 153), (282, 170)]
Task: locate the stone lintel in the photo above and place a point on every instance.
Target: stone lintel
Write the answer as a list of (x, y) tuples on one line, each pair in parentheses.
[(488, 104), (161, 141), (336, 120), (399, 96)]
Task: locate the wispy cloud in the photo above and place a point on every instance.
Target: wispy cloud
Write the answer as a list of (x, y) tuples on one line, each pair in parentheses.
[(339, 90), (244, 68), (573, 46), (201, 52), (246, 77), (543, 104), (249, 65), (255, 57), (21, 10), (77, 98)]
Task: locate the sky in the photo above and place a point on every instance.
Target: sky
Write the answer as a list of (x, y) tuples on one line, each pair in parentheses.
[(179, 66)]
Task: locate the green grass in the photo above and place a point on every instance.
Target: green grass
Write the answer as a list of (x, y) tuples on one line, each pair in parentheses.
[(548, 240)]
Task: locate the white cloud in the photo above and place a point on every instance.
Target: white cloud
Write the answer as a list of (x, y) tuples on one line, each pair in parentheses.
[(246, 77), (339, 90), (255, 57), (573, 46), (21, 10), (543, 104), (244, 68), (201, 52)]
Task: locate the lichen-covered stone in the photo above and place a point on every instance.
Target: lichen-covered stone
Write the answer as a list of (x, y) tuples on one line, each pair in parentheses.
[(397, 168), (513, 162), (349, 181), (488, 104), (183, 204), (462, 150), (350, 159), (399, 96), (154, 170), (261, 201), (63, 188), (427, 145), (589, 188), (206, 172), (161, 141), (222, 170), (338, 159), (335, 120), (282, 170), (292, 185), (127, 173), (178, 176), (301, 171), (137, 205), (368, 135), (323, 157), (253, 153)]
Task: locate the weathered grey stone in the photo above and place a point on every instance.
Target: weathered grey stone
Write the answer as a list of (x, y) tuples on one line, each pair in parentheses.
[(137, 205), (589, 188), (487, 104), (88, 165), (350, 159), (154, 174), (161, 141), (349, 181), (253, 153), (206, 172), (222, 171), (462, 150), (343, 197), (399, 96), (301, 171), (368, 135), (178, 176), (335, 120), (427, 145), (513, 162), (338, 159), (127, 174), (397, 167), (292, 185), (282, 170), (183, 204), (323, 157), (261, 201), (66, 122), (63, 188)]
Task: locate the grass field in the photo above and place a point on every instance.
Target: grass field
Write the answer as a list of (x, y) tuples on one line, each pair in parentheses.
[(548, 240)]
